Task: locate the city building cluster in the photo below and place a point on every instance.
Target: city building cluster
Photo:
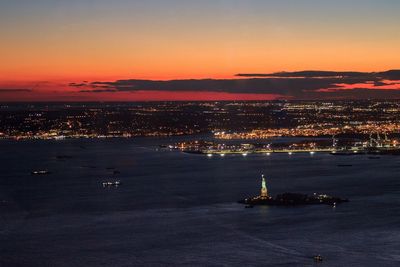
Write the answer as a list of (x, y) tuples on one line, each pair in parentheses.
[(224, 120), (313, 131)]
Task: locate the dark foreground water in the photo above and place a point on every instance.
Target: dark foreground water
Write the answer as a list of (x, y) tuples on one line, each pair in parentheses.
[(175, 209)]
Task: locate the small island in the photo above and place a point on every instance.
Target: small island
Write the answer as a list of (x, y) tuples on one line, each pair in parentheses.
[(290, 199)]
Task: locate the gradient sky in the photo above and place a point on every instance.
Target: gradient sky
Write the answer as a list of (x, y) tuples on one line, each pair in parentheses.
[(47, 44)]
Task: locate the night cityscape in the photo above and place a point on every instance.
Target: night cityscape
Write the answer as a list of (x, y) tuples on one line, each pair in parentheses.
[(200, 133), (225, 120)]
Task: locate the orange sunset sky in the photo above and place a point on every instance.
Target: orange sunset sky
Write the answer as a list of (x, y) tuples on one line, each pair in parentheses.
[(46, 45)]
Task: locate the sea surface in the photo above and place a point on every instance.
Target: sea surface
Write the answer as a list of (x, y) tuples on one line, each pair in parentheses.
[(177, 209)]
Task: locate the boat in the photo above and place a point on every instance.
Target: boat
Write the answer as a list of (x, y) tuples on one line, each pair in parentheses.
[(317, 258), (111, 183), (40, 172)]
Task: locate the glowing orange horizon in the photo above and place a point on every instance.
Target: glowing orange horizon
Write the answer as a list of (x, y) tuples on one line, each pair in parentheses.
[(52, 43)]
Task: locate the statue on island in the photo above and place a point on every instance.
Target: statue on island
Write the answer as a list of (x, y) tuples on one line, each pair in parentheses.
[(264, 190), (289, 199)]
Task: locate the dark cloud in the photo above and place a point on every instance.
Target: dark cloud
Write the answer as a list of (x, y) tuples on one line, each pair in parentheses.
[(99, 91), (390, 75), (357, 93), (306, 74), (381, 83), (297, 85), (78, 84), (7, 90), (253, 85)]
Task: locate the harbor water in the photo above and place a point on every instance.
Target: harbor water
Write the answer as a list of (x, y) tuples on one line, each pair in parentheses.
[(177, 209)]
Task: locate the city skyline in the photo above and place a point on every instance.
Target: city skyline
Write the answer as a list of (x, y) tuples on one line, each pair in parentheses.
[(50, 47)]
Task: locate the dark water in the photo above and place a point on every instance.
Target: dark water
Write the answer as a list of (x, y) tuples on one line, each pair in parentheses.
[(178, 209)]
